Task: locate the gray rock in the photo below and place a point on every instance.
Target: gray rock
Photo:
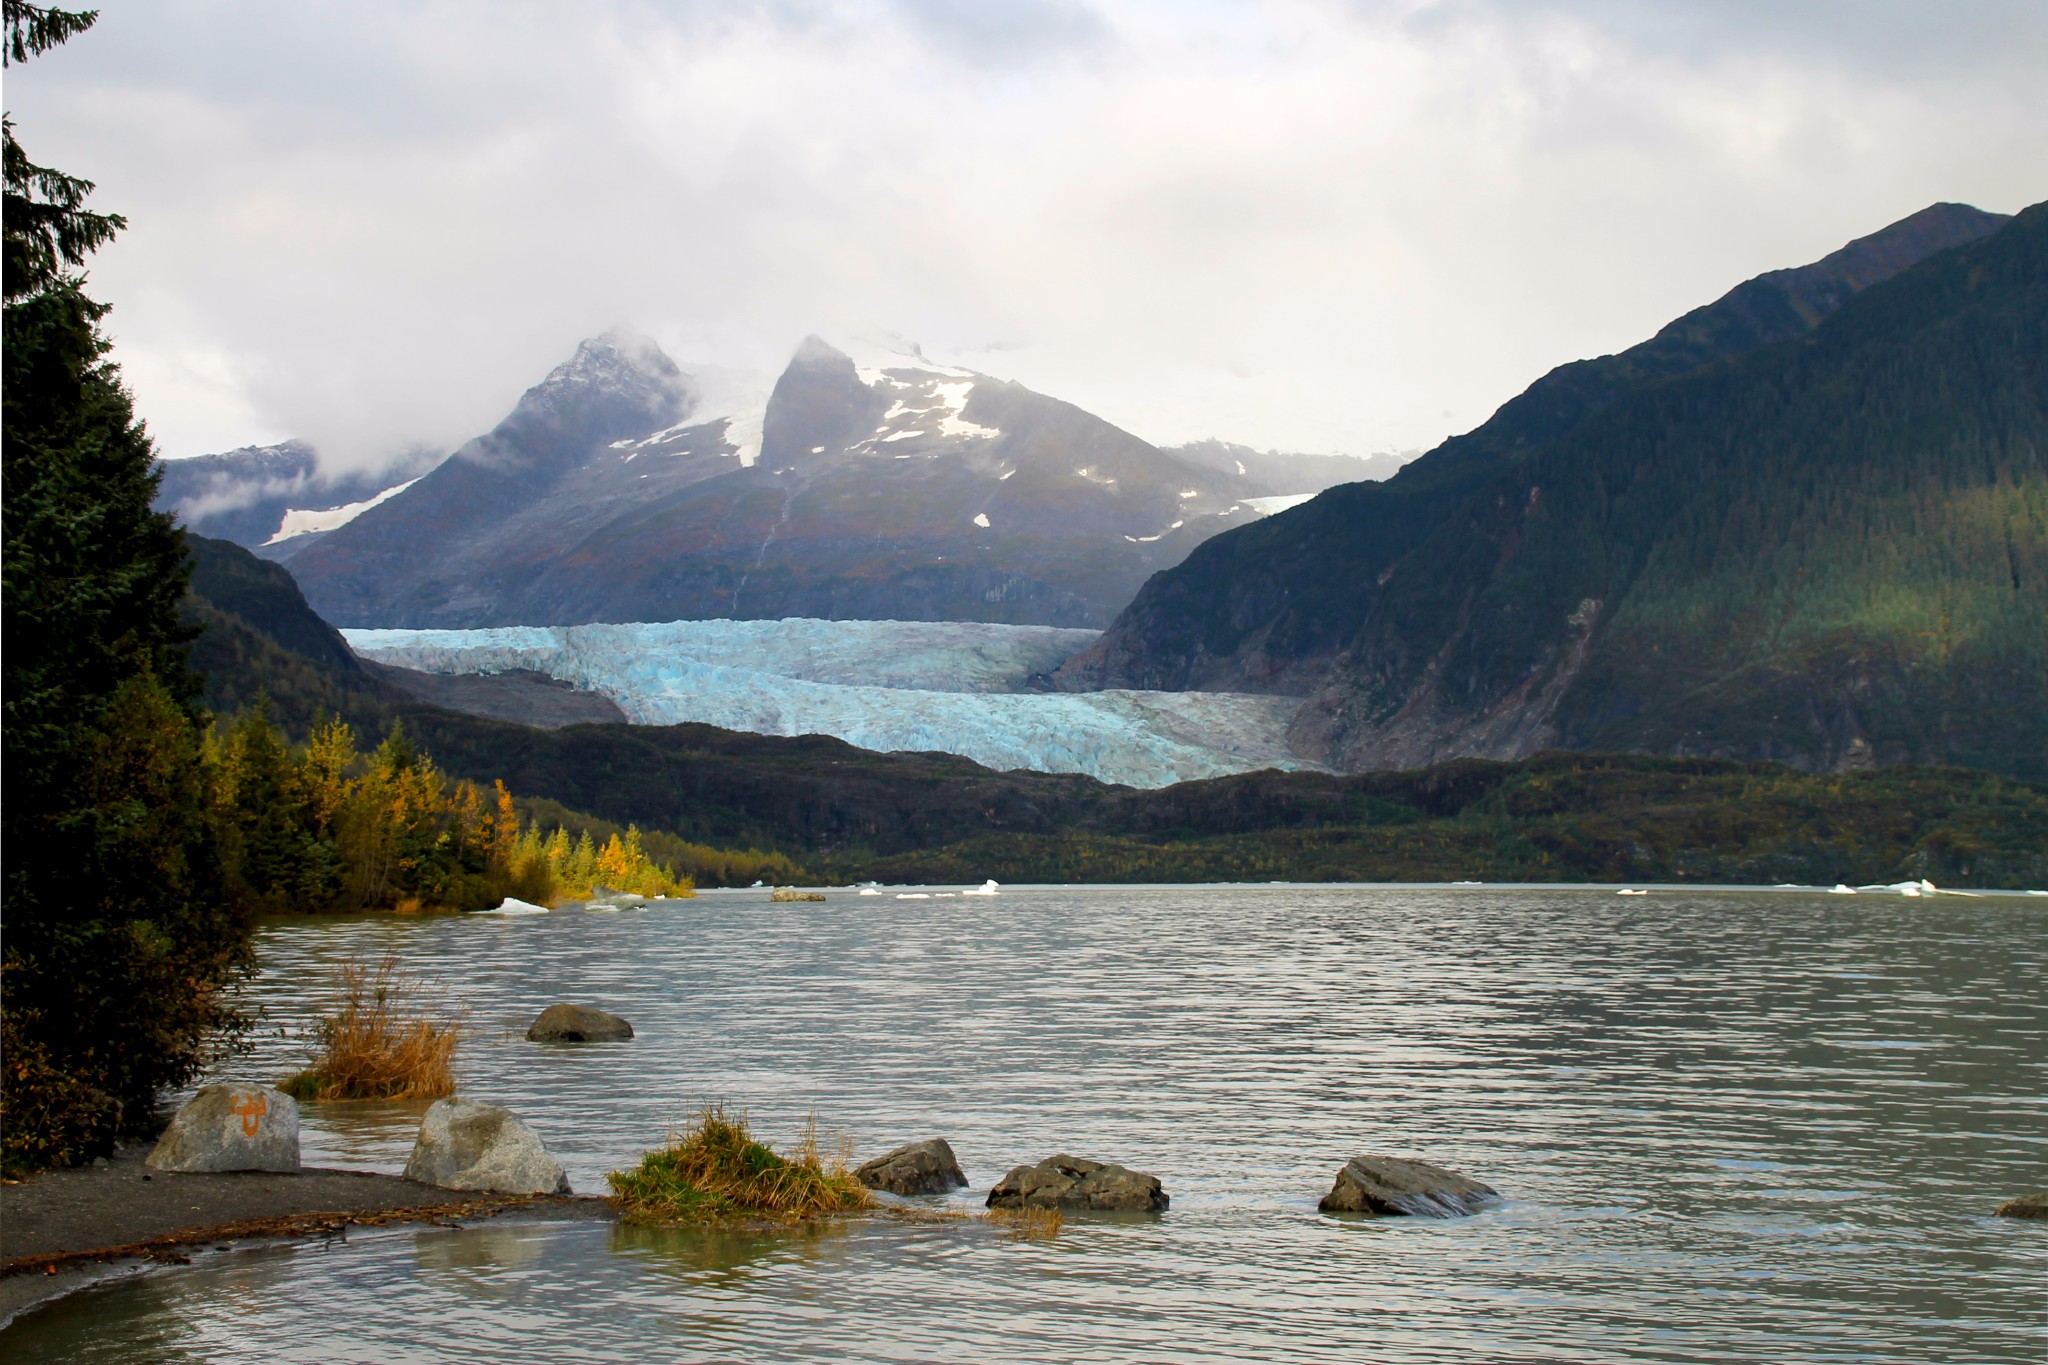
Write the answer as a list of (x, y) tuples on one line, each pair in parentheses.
[(1072, 1182), (232, 1127), (915, 1168), (578, 1024), (464, 1145), (2026, 1206), (1394, 1186)]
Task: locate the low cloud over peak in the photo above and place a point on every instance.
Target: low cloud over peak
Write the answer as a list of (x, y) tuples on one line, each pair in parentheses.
[(1320, 226)]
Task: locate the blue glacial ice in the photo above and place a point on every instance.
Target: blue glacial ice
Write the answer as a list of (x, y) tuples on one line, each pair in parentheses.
[(952, 687)]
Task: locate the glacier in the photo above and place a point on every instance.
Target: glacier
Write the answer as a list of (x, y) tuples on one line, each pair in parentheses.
[(948, 686)]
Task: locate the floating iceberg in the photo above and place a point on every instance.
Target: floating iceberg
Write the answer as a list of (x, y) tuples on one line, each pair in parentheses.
[(1919, 888), (949, 687)]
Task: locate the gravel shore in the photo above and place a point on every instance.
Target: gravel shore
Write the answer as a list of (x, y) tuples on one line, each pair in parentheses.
[(63, 1230)]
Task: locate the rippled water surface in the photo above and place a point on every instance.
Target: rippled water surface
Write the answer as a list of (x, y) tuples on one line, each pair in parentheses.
[(1731, 1127)]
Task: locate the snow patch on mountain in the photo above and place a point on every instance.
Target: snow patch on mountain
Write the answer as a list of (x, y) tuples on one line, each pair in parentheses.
[(1266, 507), (304, 522), (950, 687), (741, 398)]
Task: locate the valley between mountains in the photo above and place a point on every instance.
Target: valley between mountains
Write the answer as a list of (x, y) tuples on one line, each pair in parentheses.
[(1805, 524)]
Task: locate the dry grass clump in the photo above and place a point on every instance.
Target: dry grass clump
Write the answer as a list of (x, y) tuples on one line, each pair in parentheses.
[(715, 1170), (384, 1042)]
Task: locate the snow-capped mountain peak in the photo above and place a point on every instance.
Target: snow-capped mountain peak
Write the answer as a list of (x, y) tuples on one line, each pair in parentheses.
[(620, 383)]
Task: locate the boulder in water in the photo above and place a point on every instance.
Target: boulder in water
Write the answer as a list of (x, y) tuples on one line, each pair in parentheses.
[(578, 1024), (232, 1128), (464, 1145), (1391, 1186), (2026, 1206), (1072, 1182), (927, 1167)]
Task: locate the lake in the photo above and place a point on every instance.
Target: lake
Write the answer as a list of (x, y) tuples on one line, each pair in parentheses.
[(1730, 1126)]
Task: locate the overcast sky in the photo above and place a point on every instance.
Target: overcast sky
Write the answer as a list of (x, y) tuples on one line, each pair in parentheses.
[(1304, 225)]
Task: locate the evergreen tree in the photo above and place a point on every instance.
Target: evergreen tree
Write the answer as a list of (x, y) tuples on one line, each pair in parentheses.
[(118, 942)]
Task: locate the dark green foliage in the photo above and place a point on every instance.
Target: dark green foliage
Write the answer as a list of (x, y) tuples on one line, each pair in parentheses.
[(1556, 817), (259, 636), (49, 229), (119, 933), (119, 940)]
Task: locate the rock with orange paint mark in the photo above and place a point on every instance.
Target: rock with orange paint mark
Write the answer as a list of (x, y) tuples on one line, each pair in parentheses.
[(232, 1127)]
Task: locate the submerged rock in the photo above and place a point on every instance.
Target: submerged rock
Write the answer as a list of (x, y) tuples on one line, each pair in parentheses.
[(1072, 1182), (2026, 1206), (464, 1145), (927, 1167), (578, 1024), (232, 1128), (1394, 1186)]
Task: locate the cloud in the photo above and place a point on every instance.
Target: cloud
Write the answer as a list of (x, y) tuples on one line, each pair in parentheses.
[(1299, 224), (1008, 33), (1895, 40)]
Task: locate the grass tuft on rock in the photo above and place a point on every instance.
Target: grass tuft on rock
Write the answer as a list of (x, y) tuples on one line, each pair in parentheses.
[(383, 1043), (716, 1170)]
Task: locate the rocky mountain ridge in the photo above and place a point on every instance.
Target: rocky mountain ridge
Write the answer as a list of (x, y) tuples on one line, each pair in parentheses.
[(888, 487)]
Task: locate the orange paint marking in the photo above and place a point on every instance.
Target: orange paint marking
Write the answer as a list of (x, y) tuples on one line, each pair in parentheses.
[(250, 1109)]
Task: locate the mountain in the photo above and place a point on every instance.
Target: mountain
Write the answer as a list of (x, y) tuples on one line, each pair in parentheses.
[(257, 635), (851, 814), (888, 487), (1805, 522), (1284, 474), (270, 495)]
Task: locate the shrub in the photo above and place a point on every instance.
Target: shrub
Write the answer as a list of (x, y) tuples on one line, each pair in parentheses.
[(382, 1044), (716, 1170)]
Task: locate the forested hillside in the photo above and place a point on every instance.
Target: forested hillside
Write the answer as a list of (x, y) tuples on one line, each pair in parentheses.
[(1829, 550), (1833, 551)]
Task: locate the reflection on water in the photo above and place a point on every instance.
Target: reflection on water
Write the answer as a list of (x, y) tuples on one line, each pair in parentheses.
[(1730, 1126), (491, 1246)]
